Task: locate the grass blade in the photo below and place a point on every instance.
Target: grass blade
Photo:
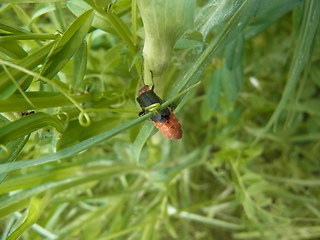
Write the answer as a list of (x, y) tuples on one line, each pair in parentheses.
[(68, 44), (35, 210), (27, 125), (74, 149), (301, 56), (7, 87)]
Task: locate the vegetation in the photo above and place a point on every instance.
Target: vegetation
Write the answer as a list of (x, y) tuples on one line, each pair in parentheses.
[(242, 76)]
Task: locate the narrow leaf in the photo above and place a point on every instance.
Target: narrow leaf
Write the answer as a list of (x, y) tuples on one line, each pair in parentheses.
[(28, 125), (35, 209), (301, 57), (13, 50), (7, 87), (74, 149), (79, 65), (68, 44)]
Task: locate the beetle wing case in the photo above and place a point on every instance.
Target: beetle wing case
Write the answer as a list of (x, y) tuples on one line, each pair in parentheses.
[(148, 98)]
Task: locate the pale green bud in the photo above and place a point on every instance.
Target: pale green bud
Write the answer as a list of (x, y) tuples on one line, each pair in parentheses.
[(164, 23)]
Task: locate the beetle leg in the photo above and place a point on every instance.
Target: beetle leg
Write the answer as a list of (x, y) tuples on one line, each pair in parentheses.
[(143, 112)]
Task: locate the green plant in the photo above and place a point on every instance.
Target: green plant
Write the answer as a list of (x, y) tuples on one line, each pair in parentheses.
[(83, 165)]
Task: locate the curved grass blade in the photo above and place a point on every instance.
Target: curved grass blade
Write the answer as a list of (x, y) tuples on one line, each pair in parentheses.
[(28, 125), (55, 83), (68, 44), (19, 88), (35, 209), (141, 139), (8, 167), (13, 50), (11, 28), (301, 56), (7, 87), (14, 148)]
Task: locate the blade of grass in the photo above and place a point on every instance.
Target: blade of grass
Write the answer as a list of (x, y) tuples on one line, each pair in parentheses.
[(141, 139), (31, 36), (134, 21), (55, 83), (206, 220), (18, 86), (40, 230), (58, 16), (35, 210), (8, 167), (301, 56), (12, 28), (14, 148), (79, 65), (13, 50), (7, 88), (68, 44), (40, 12), (23, 16), (34, 179), (28, 124), (40, 100), (125, 231)]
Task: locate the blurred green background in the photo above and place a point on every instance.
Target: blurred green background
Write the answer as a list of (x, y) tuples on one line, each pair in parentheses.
[(76, 161)]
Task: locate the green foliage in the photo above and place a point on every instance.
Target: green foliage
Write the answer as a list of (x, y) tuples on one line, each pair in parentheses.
[(76, 161), (27, 125)]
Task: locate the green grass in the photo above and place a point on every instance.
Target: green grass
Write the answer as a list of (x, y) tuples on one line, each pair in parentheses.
[(85, 166)]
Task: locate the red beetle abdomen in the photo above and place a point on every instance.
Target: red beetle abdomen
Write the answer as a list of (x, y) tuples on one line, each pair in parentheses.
[(171, 128)]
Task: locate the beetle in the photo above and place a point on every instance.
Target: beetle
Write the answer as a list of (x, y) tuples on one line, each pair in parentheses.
[(164, 120)]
